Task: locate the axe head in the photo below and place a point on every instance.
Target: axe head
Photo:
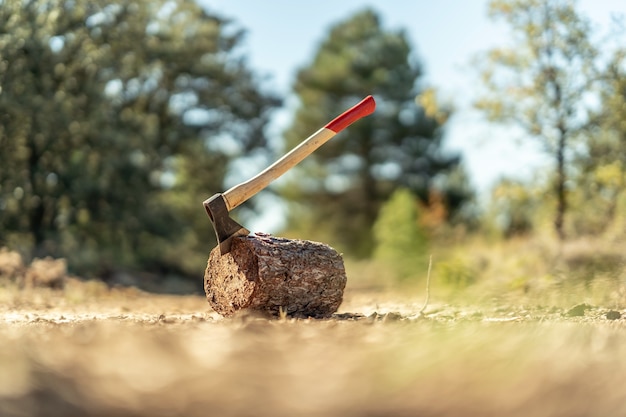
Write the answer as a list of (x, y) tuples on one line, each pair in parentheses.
[(225, 227)]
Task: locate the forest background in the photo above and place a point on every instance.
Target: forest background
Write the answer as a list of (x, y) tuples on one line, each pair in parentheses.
[(119, 119)]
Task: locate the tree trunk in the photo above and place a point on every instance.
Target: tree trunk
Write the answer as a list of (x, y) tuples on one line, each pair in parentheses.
[(35, 214), (560, 185), (270, 274)]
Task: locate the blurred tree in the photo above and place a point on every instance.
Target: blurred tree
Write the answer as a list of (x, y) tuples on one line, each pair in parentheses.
[(115, 120), (338, 191), (401, 240), (543, 81), (601, 166)]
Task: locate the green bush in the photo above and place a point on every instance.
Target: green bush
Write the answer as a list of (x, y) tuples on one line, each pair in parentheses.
[(456, 273), (401, 242)]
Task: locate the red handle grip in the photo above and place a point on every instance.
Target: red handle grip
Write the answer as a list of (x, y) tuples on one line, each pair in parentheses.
[(363, 108)]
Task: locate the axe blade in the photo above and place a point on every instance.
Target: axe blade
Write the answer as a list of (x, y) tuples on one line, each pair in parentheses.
[(225, 227)]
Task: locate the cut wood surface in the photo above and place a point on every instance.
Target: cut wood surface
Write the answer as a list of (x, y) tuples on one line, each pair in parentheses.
[(269, 274)]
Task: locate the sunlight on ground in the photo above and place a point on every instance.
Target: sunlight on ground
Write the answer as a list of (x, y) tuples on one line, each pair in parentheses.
[(131, 353), (508, 331)]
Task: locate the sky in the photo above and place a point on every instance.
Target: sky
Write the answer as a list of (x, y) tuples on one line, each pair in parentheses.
[(283, 36)]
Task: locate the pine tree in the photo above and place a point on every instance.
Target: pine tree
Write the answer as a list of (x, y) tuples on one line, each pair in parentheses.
[(338, 191)]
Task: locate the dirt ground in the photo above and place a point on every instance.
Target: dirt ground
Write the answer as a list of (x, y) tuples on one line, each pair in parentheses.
[(96, 352)]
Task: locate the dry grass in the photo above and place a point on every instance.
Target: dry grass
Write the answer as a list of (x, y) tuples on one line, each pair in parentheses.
[(494, 348), (126, 353)]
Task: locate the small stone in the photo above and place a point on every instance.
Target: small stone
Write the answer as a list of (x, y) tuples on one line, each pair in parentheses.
[(613, 315), (391, 316), (374, 316), (578, 310)]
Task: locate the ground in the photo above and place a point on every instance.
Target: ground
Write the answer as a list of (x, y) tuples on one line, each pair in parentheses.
[(91, 351)]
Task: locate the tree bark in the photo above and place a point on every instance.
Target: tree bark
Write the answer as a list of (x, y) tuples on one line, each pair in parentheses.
[(271, 274)]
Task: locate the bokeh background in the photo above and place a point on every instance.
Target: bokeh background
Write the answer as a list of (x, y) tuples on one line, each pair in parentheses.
[(497, 145)]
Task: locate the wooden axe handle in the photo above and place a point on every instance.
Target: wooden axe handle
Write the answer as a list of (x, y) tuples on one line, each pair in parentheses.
[(242, 192)]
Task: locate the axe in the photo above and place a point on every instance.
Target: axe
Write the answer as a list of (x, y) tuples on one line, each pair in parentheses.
[(218, 206)]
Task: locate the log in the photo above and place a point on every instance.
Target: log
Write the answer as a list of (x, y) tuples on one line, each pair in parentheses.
[(271, 274)]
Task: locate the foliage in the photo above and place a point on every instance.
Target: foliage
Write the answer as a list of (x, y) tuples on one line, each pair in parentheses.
[(456, 273), (116, 120), (401, 241), (543, 81), (514, 206), (339, 190), (600, 173), (600, 187)]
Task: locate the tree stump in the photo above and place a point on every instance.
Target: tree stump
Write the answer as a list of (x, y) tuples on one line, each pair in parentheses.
[(269, 274)]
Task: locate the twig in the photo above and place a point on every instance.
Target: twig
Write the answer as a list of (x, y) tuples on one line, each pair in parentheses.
[(430, 265), (282, 313)]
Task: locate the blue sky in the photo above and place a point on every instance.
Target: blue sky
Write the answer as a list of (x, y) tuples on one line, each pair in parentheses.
[(283, 35)]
